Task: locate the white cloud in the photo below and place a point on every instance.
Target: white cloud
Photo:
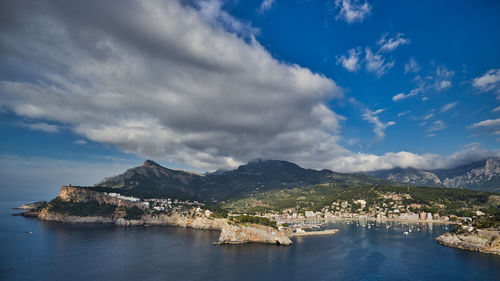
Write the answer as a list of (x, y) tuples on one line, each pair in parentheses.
[(488, 82), (428, 116), (402, 96), (403, 113), (80, 142), (430, 135), (444, 84), (175, 82), (369, 162), (378, 126), (376, 64), (448, 106), (40, 126), (168, 81), (442, 78), (390, 44), (352, 10), (496, 109), (266, 5), (412, 66), (486, 123), (437, 125), (352, 61)]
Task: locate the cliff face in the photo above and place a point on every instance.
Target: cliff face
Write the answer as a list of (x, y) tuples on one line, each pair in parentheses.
[(484, 241), (252, 233), (230, 234), (79, 194)]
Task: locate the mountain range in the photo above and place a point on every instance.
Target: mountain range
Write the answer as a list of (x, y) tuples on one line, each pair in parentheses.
[(481, 175), (151, 179)]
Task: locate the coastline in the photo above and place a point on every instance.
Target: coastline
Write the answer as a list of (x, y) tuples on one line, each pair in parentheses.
[(366, 219)]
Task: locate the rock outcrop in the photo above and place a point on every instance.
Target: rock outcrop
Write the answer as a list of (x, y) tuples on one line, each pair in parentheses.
[(32, 206), (485, 241), (80, 194), (252, 233)]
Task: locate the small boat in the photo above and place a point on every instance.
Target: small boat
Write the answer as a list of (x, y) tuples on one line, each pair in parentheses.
[(31, 232), (405, 233)]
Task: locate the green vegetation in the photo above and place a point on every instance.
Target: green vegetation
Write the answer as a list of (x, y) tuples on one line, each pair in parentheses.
[(133, 213), (90, 208), (217, 211), (252, 219), (446, 201), (491, 219)]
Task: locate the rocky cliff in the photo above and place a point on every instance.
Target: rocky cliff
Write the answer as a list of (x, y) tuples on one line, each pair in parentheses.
[(195, 218), (485, 241), (252, 233), (79, 194)]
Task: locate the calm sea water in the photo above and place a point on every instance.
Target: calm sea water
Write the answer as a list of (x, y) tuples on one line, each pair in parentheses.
[(98, 252)]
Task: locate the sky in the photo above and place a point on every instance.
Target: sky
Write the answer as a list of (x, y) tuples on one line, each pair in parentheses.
[(90, 88)]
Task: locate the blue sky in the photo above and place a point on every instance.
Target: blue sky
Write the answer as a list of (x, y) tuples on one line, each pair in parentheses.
[(87, 91)]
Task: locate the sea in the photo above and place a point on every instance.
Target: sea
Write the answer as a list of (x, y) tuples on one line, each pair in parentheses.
[(34, 250)]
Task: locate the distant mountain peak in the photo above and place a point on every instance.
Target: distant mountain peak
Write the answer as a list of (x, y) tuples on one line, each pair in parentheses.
[(150, 163)]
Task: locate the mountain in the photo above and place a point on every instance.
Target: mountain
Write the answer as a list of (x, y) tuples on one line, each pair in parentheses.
[(151, 179), (481, 175)]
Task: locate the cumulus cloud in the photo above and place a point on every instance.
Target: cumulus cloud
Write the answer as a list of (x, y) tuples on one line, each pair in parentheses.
[(376, 64), (352, 61), (369, 162), (352, 10), (379, 127), (448, 106), (266, 5), (40, 126), (390, 44), (185, 83), (412, 66), (165, 80)]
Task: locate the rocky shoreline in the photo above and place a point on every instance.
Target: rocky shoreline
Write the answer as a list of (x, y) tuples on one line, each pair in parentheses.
[(230, 234), (482, 240)]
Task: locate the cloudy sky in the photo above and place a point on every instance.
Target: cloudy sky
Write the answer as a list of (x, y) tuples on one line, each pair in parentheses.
[(89, 88)]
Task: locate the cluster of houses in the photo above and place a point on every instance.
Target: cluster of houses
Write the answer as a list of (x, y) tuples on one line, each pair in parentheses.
[(157, 204), (391, 207)]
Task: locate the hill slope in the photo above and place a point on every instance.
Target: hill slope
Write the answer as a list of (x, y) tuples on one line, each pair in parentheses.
[(151, 179)]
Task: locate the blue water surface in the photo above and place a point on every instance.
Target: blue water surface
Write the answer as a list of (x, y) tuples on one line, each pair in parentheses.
[(360, 251)]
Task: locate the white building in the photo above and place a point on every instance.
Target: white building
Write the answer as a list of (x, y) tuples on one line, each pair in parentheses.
[(310, 214)]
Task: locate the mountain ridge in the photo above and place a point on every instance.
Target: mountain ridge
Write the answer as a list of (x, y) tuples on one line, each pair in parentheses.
[(478, 175), (151, 178)]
